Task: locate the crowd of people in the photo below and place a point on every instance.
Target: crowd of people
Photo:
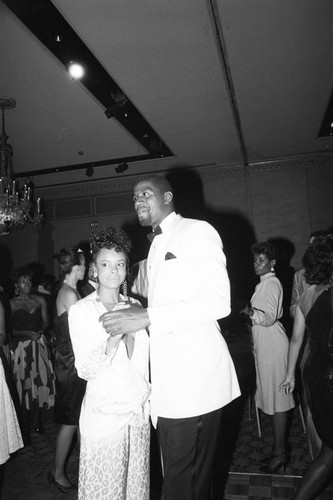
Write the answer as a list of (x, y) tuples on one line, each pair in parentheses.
[(110, 366)]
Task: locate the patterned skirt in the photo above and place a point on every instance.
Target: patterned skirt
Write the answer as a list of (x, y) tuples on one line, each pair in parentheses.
[(33, 373), (117, 466)]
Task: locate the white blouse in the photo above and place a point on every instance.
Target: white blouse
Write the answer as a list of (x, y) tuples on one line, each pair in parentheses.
[(117, 387)]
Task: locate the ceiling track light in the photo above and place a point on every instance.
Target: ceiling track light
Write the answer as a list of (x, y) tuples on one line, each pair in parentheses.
[(90, 171), (76, 70), (47, 23), (122, 167)]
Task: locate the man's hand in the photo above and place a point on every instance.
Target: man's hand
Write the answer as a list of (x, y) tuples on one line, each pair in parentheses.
[(123, 321)]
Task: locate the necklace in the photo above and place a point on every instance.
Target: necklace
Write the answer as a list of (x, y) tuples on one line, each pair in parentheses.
[(69, 284), (107, 305)]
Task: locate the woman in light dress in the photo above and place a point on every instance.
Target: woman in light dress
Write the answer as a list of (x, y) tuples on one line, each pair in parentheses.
[(114, 421), (10, 434), (270, 351)]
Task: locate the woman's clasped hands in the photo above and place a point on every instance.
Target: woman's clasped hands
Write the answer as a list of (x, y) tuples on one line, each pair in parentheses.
[(124, 318)]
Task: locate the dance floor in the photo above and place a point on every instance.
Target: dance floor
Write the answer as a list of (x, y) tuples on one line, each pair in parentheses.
[(237, 473), (245, 481), (26, 472)]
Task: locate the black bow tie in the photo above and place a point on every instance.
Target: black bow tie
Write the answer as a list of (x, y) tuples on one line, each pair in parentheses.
[(155, 232)]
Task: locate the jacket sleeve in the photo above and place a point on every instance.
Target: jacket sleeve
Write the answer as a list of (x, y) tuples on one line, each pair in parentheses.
[(89, 348), (140, 280), (267, 304)]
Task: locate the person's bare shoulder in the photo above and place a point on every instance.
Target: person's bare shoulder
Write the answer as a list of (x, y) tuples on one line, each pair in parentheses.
[(40, 299)]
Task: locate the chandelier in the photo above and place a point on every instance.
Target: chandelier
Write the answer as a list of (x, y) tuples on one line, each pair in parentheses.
[(17, 207)]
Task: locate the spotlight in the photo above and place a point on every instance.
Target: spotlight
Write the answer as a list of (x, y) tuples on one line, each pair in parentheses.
[(75, 70), (122, 167)]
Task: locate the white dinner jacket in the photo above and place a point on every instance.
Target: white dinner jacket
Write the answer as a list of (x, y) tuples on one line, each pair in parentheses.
[(192, 372)]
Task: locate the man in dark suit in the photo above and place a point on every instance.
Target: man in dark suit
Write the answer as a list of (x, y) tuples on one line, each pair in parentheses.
[(91, 284)]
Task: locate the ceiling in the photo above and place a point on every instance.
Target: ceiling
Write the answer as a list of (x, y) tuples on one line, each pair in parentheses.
[(214, 82)]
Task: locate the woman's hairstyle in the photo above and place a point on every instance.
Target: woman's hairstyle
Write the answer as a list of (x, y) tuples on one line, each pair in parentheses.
[(265, 248), (318, 260), (68, 258), (21, 272), (110, 238)]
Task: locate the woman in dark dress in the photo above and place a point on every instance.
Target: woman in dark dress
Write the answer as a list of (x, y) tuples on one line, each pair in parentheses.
[(314, 312), (70, 388)]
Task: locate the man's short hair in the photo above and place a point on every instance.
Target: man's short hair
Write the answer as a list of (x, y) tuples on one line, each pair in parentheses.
[(161, 183)]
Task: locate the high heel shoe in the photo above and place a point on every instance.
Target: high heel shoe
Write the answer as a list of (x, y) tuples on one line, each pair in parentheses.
[(61, 487), (282, 463)]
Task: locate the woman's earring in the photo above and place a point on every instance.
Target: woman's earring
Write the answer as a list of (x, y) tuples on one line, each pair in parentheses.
[(124, 289), (272, 269), (16, 289)]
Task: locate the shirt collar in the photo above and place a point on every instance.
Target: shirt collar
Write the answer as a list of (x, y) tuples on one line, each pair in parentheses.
[(267, 275), (167, 222), (93, 283)]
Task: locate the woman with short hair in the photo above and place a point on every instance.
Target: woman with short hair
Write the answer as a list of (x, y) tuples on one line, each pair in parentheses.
[(270, 351)]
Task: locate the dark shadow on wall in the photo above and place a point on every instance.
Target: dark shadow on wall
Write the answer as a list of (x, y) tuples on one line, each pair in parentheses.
[(235, 230), (138, 237), (6, 267), (46, 248), (38, 270)]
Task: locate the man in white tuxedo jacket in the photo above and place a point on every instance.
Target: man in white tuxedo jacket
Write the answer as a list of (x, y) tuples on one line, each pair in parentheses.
[(192, 373)]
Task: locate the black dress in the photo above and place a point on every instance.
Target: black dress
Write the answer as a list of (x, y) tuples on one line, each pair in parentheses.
[(318, 369), (70, 387)]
